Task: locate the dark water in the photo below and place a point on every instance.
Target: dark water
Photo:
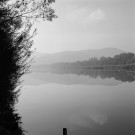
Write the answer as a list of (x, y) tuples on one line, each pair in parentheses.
[(84, 102)]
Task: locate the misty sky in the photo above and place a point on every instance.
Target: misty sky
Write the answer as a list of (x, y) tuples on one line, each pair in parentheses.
[(88, 24)]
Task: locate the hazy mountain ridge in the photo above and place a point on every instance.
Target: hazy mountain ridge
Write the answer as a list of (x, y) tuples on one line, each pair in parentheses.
[(72, 56)]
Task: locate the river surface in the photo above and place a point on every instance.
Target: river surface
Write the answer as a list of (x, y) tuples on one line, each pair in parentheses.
[(84, 102)]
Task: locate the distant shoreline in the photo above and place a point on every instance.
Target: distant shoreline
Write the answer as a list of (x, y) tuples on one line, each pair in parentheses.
[(128, 67)]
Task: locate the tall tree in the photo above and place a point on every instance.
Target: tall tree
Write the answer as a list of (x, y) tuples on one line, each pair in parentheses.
[(16, 20)]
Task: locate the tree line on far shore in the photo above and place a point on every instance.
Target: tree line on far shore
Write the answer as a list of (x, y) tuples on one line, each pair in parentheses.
[(126, 60)]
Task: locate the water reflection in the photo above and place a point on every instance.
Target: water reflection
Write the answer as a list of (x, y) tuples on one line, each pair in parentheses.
[(82, 109), (68, 98), (117, 75), (78, 76)]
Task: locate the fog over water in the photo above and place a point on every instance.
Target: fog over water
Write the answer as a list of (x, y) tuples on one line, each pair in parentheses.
[(83, 69), (84, 104)]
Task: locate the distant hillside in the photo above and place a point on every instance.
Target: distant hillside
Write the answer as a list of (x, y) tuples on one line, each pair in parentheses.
[(72, 56), (38, 54)]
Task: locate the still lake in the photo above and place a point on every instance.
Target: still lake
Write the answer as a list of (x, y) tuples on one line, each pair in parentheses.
[(84, 102)]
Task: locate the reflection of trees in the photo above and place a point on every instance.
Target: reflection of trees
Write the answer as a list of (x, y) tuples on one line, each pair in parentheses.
[(123, 76)]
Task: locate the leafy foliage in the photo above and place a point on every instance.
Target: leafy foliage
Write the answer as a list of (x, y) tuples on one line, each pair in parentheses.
[(16, 20)]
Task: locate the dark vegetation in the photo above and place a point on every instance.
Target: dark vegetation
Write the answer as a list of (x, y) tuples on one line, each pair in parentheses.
[(16, 20), (10, 121), (120, 67), (124, 61)]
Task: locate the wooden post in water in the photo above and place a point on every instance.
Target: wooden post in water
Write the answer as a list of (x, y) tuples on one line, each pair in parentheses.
[(64, 131)]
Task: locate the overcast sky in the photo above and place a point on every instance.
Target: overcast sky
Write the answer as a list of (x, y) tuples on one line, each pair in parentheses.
[(88, 24)]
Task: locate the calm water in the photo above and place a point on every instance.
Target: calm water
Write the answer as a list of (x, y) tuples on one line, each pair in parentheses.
[(85, 102)]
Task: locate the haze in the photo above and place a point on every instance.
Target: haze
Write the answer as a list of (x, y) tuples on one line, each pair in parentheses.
[(88, 24)]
